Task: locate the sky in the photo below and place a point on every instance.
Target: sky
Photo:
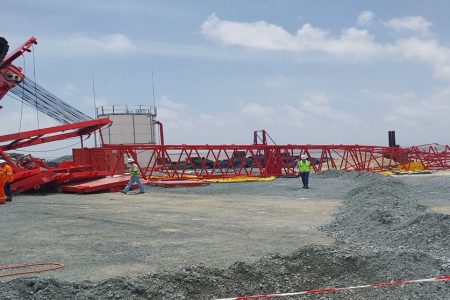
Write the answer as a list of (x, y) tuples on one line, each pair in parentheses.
[(308, 72)]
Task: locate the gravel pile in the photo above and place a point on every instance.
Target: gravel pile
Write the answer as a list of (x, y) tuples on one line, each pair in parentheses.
[(307, 268), (384, 213), (331, 173), (382, 233)]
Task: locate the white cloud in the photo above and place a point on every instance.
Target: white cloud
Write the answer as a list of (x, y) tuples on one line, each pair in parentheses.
[(314, 112), (69, 89), (417, 118), (430, 111), (257, 35), (81, 44), (88, 102), (172, 113), (410, 23), (387, 96), (165, 102), (365, 18), (258, 111), (277, 82), (428, 51), (352, 42), (316, 107)]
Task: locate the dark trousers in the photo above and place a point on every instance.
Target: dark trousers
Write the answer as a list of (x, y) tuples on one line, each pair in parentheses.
[(305, 178), (8, 191)]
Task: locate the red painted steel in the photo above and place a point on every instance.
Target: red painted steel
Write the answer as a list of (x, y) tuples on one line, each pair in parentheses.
[(10, 75), (31, 173), (25, 47), (261, 160), (51, 134), (109, 184), (108, 160)]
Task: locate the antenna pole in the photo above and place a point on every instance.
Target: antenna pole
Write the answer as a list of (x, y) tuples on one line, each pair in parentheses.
[(153, 87), (95, 108)]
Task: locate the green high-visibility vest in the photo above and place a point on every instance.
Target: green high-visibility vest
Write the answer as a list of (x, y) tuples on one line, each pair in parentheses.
[(134, 171), (303, 166)]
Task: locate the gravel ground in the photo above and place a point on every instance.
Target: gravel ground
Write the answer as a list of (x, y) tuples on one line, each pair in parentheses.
[(101, 236), (383, 232)]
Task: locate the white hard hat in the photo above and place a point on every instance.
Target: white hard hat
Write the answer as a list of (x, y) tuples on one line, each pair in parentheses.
[(130, 160), (2, 161), (303, 156)]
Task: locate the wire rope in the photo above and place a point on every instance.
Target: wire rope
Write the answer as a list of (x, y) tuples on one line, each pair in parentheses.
[(52, 266), (34, 78), (21, 107), (44, 151)]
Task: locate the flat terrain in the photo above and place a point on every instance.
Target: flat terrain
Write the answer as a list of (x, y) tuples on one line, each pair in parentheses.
[(235, 239), (104, 235)]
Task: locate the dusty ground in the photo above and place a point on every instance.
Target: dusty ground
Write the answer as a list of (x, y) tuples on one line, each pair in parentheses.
[(104, 235), (215, 242)]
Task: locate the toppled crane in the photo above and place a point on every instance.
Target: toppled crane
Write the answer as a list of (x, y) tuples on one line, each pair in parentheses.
[(32, 173)]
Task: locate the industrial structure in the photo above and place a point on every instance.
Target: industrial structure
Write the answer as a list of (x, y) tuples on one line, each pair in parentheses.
[(130, 124), (102, 167)]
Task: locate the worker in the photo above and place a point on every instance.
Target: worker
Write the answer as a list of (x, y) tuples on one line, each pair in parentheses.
[(2, 181), (304, 167), (9, 179), (135, 174)]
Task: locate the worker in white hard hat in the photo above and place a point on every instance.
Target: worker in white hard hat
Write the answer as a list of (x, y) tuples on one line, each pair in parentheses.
[(135, 174), (304, 167)]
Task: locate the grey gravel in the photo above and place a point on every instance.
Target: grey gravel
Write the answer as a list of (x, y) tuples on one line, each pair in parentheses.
[(383, 232)]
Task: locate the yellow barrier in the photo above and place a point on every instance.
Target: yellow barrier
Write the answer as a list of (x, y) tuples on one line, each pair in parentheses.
[(240, 179), (217, 180)]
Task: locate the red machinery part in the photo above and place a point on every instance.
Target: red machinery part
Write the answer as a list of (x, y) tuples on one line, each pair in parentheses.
[(11, 75), (31, 173)]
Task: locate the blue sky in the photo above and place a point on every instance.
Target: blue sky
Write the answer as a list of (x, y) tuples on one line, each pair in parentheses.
[(309, 72)]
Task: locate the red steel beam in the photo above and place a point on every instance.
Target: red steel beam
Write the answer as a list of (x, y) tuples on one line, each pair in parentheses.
[(40, 136), (185, 161)]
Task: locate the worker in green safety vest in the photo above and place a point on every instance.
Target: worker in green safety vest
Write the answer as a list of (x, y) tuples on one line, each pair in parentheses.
[(304, 167), (135, 174)]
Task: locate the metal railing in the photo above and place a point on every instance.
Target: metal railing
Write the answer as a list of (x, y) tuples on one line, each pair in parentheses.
[(126, 110)]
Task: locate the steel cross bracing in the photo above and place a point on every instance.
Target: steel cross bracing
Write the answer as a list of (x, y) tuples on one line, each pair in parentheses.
[(223, 161)]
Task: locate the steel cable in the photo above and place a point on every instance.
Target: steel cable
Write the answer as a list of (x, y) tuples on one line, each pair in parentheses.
[(45, 102)]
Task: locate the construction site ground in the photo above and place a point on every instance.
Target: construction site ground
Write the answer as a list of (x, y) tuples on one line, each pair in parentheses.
[(226, 240)]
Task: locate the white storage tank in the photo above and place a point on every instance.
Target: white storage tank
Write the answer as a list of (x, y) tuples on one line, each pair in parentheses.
[(131, 124)]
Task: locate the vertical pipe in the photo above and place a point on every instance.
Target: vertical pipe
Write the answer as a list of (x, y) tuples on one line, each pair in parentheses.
[(391, 136), (134, 131), (82, 150), (101, 137), (161, 140)]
